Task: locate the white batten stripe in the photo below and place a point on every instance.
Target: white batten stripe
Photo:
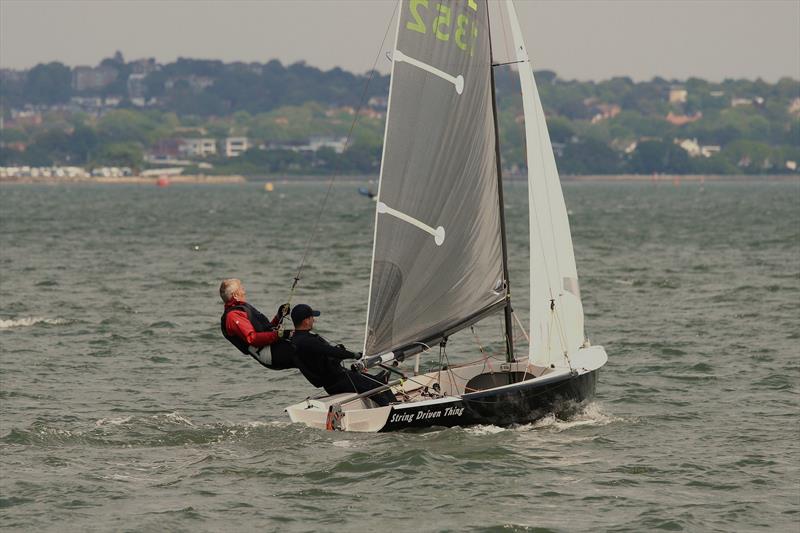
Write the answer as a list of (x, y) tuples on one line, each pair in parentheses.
[(438, 233), (457, 81)]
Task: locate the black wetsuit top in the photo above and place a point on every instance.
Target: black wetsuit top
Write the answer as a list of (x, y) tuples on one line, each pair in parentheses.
[(318, 359)]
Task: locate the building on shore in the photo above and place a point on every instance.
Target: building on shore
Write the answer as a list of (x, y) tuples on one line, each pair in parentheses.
[(236, 146), (680, 120), (694, 149), (199, 147), (678, 95), (91, 78)]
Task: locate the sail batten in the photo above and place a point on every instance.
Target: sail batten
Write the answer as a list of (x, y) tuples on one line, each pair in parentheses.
[(437, 257)]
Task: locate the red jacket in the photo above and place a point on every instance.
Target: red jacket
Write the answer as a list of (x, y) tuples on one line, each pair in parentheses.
[(237, 323)]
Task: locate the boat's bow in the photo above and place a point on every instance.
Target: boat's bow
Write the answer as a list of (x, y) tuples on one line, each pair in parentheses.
[(588, 359)]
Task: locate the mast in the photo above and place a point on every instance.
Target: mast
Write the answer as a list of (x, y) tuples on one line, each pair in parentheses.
[(507, 309)]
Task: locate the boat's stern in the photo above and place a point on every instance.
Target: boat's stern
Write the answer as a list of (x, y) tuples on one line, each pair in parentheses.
[(339, 412)]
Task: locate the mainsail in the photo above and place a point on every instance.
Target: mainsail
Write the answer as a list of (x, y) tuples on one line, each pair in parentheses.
[(556, 326), (437, 261)]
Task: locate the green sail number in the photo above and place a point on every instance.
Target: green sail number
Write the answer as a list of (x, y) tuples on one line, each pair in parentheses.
[(442, 20), (442, 23), (417, 25), (461, 22)]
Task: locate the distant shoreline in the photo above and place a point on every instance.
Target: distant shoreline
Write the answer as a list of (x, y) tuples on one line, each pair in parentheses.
[(642, 178), (678, 177), (128, 180), (284, 180)]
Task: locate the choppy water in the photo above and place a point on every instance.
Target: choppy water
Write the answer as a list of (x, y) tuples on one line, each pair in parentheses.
[(122, 408)]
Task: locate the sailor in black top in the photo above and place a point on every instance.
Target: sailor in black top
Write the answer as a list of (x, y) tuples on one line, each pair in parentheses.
[(320, 361)]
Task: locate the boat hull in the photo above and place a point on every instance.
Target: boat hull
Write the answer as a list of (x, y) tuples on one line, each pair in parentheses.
[(519, 403), (520, 393)]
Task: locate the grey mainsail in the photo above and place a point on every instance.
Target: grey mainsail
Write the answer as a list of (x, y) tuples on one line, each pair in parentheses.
[(437, 261)]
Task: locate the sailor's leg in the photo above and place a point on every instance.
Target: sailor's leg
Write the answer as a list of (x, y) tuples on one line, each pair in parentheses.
[(367, 382)]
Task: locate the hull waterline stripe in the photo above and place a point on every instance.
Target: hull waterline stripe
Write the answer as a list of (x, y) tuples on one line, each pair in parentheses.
[(438, 233), (457, 81)]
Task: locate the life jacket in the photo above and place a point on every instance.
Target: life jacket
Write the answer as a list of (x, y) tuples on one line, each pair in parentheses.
[(276, 356)]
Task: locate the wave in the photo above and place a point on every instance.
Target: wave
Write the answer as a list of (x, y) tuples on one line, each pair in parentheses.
[(590, 415), (162, 429), (482, 430), (30, 321), (113, 421)]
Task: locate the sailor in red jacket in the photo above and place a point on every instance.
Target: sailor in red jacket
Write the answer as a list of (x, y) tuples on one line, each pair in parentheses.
[(252, 332)]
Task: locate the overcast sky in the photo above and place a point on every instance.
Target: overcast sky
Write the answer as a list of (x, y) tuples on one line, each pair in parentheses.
[(581, 39)]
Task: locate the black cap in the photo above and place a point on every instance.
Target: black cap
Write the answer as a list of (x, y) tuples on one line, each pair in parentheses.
[(301, 312)]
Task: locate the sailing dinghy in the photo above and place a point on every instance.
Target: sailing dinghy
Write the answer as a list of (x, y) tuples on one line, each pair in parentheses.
[(440, 260)]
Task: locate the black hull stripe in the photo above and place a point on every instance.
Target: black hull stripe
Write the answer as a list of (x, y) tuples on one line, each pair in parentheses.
[(523, 404)]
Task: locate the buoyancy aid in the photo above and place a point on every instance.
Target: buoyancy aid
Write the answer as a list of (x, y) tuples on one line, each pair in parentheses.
[(275, 356)]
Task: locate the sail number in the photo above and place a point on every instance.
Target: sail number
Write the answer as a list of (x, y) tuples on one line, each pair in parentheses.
[(464, 34)]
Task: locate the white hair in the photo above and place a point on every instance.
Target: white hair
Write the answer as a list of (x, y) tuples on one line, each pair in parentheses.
[(228, 288)]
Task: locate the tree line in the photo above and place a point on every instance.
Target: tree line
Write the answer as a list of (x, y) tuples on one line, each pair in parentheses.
[(605, 127)]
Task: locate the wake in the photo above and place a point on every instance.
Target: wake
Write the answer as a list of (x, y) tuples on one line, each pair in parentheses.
[(591, 415), (30, 321)]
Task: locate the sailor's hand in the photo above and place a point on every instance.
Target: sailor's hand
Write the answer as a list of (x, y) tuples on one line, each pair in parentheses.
[(283, 310)]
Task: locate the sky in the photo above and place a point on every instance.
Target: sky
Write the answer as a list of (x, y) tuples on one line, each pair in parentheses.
[(579, 39)]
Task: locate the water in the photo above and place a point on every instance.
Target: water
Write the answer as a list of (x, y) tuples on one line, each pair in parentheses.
[(122, 408)]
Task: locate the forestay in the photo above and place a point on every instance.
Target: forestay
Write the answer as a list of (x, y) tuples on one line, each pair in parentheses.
[(437, 259), (556, 326)]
